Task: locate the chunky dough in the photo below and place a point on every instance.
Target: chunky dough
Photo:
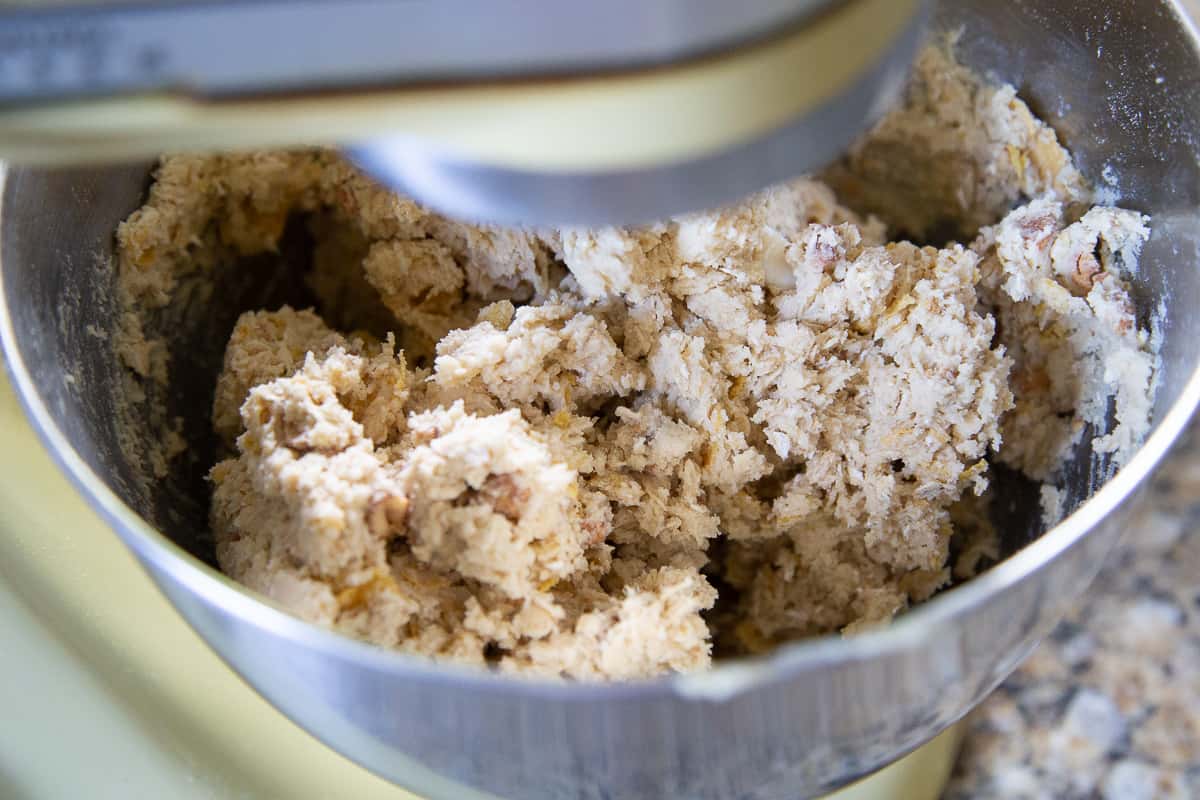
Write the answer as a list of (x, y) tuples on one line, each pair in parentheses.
[(570, 437)]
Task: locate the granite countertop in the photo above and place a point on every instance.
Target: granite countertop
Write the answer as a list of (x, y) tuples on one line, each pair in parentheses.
[(1109, 705)]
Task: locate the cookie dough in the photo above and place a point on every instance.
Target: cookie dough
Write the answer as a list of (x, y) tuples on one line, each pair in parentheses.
[(553, 451)]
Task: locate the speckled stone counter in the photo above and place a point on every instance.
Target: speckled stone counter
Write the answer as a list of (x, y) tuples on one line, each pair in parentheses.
[(1109, 705)]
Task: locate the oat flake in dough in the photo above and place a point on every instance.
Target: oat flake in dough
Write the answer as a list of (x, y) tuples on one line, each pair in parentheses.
[(571, 436)]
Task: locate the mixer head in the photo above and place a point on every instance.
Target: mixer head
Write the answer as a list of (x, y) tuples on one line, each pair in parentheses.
[(493, 110)]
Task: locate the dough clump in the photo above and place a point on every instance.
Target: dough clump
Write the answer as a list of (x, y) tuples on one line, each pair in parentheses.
[(547, 450)]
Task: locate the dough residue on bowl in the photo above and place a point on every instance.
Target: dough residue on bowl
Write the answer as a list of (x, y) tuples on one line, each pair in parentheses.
[(594, 453)]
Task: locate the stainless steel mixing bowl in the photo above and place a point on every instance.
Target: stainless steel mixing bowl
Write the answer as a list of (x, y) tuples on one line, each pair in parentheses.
[(1119, 81)]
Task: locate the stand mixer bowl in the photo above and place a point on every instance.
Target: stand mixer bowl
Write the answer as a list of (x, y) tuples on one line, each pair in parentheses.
[(1120, 83)]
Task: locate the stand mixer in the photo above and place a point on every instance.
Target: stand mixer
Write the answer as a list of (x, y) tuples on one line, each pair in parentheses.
[(615, 112), (701, 105)]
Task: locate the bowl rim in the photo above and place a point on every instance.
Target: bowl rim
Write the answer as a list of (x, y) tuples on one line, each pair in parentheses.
[(724, 679)]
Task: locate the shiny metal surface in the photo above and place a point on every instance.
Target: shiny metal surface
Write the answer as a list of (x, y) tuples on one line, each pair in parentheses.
[(73, 50), (1119, 82)]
